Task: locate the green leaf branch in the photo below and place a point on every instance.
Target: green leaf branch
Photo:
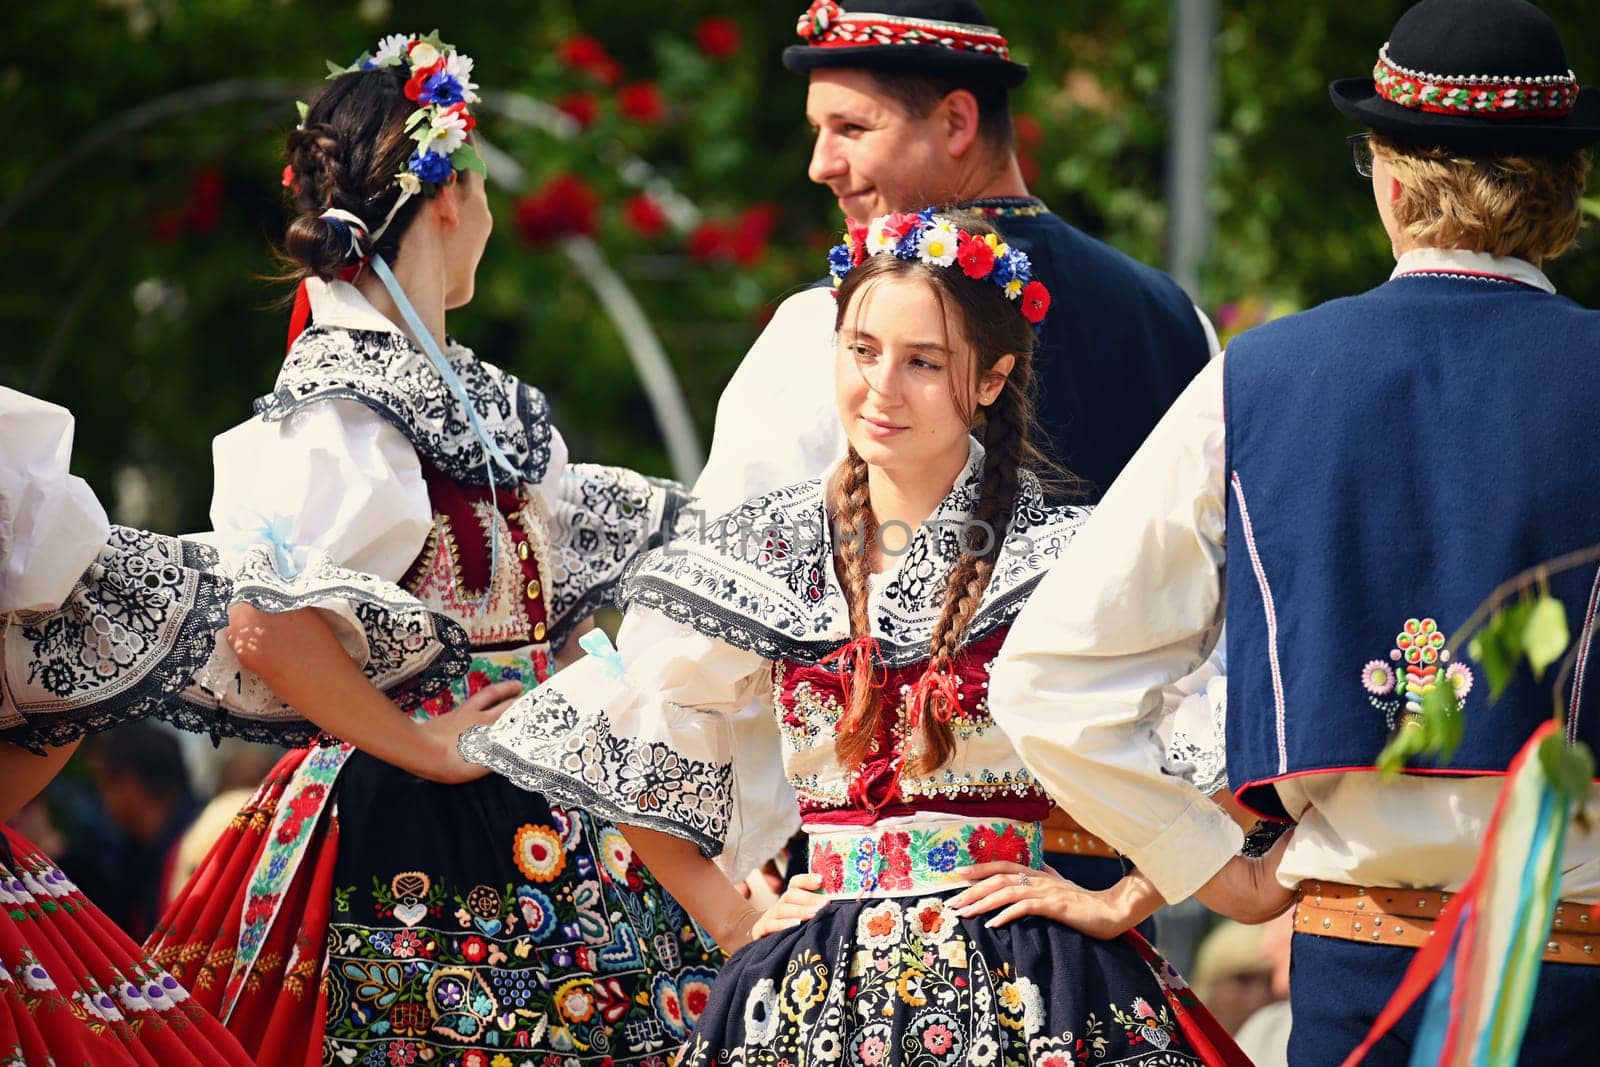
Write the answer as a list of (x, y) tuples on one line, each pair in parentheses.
[(1520, 621)]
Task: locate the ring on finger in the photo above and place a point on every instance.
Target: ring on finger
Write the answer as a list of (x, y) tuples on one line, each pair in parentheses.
[(1022, 879)]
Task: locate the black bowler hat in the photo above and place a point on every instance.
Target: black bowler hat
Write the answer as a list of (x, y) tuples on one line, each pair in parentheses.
[(937, 37), (1482, 77)]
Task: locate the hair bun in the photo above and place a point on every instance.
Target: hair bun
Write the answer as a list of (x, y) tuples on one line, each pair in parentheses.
[(322, 246)]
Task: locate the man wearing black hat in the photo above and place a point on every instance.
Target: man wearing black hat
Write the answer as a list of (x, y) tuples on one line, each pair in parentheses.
[(1352, 482), (909, 104)]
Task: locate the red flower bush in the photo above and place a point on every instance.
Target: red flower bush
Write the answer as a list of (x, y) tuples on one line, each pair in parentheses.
[(718, 37), (567, 205), (642, 102), (588, 56), (582, 106), (644, 215)]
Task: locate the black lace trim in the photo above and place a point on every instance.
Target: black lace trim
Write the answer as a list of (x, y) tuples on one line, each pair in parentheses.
[(385, 373), (164, 677), (581, 763)]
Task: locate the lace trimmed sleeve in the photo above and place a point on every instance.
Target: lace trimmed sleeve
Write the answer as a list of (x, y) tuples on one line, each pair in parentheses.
[(652, 736)]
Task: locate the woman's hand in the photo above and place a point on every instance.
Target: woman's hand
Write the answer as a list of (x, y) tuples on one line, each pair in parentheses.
[(1015, 891), (801, 901), (439, 760)]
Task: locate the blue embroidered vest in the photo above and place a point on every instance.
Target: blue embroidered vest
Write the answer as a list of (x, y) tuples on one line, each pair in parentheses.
[(1120, 343), (1392, 458)]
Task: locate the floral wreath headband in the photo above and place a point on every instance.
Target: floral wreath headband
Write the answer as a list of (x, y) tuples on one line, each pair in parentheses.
[(937, 241), (441, 85)]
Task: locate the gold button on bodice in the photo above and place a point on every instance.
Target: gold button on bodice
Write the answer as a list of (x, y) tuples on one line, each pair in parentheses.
[(538, 631), (534, 589), (523, 552)]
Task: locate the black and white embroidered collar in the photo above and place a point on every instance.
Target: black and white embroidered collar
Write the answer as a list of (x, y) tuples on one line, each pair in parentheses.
[(354, 353), (761, 577)]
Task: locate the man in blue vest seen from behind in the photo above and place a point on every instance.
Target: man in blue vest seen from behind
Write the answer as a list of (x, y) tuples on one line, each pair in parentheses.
[(1352, 482)]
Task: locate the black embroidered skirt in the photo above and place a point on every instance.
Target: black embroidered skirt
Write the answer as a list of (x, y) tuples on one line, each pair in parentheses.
[(904, 981)]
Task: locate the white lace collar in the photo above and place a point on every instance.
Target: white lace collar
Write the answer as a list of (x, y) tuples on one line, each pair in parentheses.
[(761, 577)]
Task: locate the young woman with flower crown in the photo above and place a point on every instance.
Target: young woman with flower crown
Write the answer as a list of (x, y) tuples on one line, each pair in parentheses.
[(356, 912), (102, 625), (867, 606)]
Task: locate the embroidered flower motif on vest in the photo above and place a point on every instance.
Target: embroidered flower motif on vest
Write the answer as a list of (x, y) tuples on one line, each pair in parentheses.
[(1415, 666)]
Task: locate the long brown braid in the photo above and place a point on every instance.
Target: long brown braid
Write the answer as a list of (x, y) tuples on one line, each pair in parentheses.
[(993, 328)]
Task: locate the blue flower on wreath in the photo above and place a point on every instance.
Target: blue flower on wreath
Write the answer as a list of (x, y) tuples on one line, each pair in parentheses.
[(839, 263), (1013, 266), (441, 88), (942, 858), (430, 167)]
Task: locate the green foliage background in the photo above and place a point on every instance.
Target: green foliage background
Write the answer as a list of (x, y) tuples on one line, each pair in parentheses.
[(158, 331)]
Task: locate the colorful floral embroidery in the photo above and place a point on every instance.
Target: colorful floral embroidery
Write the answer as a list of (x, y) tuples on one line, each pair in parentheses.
[(583, 960), (919, 858), (538, 853), (910, 987), (1416, 664)]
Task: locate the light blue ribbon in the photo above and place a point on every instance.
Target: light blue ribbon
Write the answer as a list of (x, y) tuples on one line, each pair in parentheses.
[(492, 454), (598, 645), (274, 534)]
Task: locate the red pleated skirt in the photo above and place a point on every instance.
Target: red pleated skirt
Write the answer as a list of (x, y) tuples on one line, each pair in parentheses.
[(276, 1012), (75, 990)]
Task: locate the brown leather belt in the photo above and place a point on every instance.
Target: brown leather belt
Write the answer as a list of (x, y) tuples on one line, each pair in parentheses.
[(1405, 917), (1063, 836)]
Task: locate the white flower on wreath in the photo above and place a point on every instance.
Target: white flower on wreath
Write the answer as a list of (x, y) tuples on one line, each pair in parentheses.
[(409, 183), (761, 1013), (937, 243), (880, 926), (391, 50), (459, 67), (449, 131)]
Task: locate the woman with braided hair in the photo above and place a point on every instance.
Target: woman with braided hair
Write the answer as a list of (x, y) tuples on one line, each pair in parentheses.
[(865, 608), (368, 906)]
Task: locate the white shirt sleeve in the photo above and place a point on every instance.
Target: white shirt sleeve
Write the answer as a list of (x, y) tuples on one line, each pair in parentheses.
[(777, 420), (51, 525), (334, 476), (661, 743), (1132, 607)]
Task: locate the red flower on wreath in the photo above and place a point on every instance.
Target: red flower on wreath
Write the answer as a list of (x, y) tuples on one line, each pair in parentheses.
[(642, 102), (718, 37), (422, 74), (1035, 301), (975, 255)]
